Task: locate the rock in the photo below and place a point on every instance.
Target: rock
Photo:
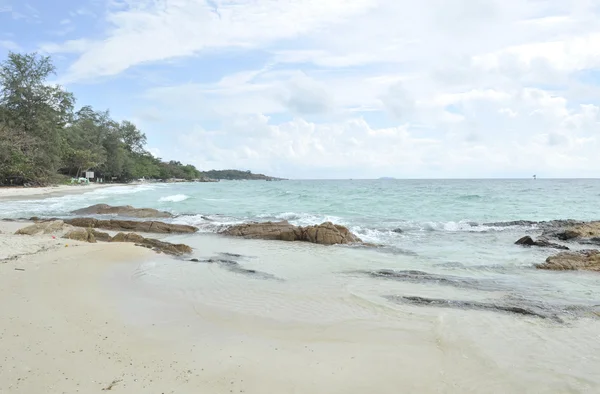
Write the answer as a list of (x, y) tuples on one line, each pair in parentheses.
[(268, 230), (125, 210), (586, 260), (234, 266), (329, 234), (56, 227), (566, 230), (514, 223), (81, 234), (529, 310), (154, 244), (415, 276), (325, 234), (398, 230), (132, 225), (585, 230), (528, 241), (100, 236)]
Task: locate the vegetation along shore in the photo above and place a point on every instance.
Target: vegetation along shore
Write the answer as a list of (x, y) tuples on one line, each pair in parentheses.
[(45, 140)]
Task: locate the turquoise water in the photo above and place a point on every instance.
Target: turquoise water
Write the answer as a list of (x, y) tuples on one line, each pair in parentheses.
[(371, 203)]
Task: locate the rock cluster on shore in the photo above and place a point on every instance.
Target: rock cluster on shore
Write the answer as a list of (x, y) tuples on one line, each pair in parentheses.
[(132, 225), (67, 231), (570, 231), (325, 234), (125, 210)]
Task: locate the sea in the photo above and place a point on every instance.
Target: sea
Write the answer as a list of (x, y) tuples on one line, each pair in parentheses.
[(444, 303)]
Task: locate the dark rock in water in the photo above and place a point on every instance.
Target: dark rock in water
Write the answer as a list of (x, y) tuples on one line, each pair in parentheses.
[(234, 266), (132, 225), (591, 241), (528, 241), (231, 254), (473, 305), (195, 260), (125, 210), (398, 230), (415, 276), (514, 223), (585, 260), (325, 234)]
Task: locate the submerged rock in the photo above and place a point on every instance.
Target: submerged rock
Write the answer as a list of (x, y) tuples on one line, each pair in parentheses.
[(234, 266), (325, 234), (132, 225), (514, 223), (154, 244), (528, 241), (125, 210), (415, 276), (475, 305), (586, 260)]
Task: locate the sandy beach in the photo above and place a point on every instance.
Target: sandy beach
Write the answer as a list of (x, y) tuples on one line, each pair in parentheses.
[(64, 328), (20, 193), (76, 318)]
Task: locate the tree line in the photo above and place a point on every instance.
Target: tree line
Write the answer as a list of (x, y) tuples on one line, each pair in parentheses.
[(43, 138)]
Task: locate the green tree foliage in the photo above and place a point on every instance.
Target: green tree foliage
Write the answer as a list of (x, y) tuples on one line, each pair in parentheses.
[(40, 134), (236, 175), (34, 113)]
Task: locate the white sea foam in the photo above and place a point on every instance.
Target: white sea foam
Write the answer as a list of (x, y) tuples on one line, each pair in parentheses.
[(302, 219), (174, 198)]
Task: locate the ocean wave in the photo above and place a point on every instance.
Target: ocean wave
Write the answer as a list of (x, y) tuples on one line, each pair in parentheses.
[(125, 189), (458, 226), (174, 198), (300, 219), (209, 223)]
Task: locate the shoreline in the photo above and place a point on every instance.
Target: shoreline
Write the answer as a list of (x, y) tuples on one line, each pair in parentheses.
[(26, 193)]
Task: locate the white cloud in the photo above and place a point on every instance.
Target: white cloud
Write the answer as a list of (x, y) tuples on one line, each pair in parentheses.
[(166, 29), (10, 45), (405, 88), (71, 46)]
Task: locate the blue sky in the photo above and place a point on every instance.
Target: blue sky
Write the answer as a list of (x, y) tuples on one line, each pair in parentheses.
[(336, 88)]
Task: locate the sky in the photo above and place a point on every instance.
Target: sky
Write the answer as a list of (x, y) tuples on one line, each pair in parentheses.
[(335, 88)]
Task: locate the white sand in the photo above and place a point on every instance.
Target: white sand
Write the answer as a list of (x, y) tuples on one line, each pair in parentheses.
[(74, 320), (63, 330), (42, 192)]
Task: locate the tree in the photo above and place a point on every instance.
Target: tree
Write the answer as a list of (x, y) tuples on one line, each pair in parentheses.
[(33, 111), (40, 135)]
